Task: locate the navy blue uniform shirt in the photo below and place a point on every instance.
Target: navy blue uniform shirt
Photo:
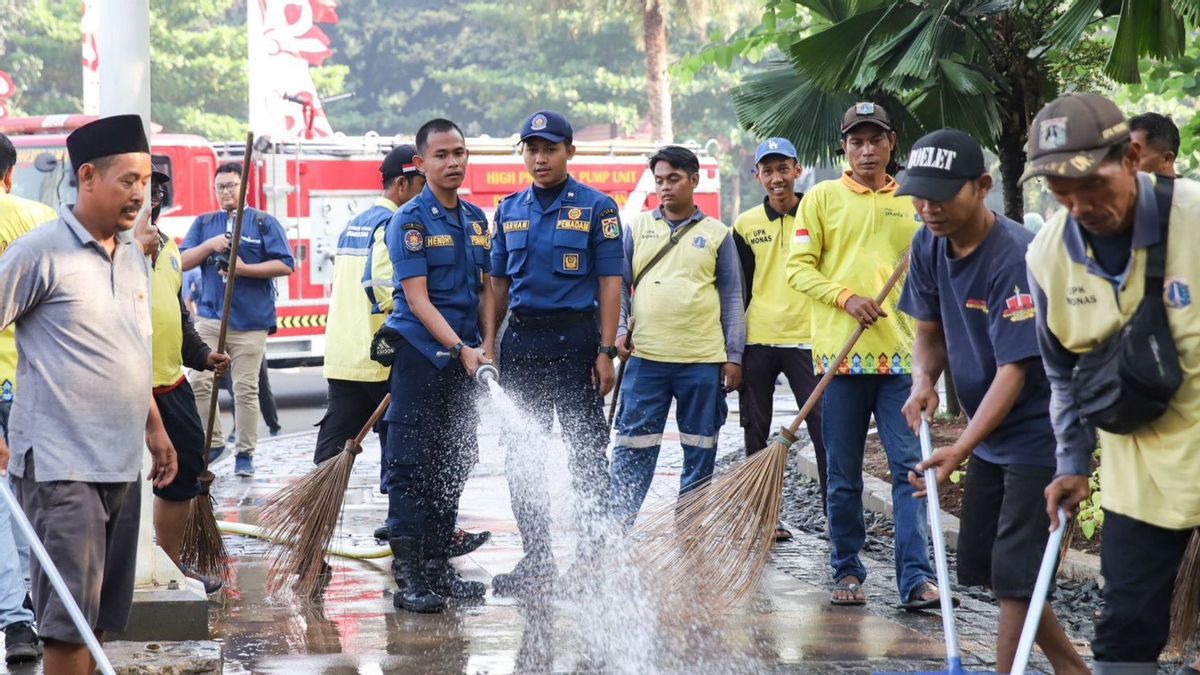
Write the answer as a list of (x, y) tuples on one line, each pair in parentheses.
[(556, 255), (452, 254), (986, 310), (263, 239)]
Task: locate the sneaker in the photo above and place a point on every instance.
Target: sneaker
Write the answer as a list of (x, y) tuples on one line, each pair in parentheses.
[(232, 437), (531, 574), (243, 465), (382, 534), (216, 452), (211, 584), (21, 644), (464, 542)]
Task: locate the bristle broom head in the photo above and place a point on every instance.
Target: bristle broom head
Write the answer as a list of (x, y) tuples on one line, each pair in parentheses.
[(203, 547), (712, 545), (300, 520), (1185, 605)]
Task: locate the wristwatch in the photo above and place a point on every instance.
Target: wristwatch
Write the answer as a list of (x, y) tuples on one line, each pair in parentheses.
[(610, 351), (456, 350)]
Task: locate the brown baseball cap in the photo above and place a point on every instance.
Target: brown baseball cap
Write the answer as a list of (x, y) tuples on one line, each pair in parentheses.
[(1071, 135), (865, 112)]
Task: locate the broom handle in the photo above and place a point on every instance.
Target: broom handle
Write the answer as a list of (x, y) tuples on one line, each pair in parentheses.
[(1040, 590), (379, 410), (934, 508), (230, 278), (56, 580), (830, 372)]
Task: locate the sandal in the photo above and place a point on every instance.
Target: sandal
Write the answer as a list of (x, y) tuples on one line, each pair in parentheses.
[(919, 599), (782, 533), (857, 596)]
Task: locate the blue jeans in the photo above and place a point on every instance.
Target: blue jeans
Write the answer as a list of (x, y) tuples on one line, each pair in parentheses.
[(14, 557), (646, 397), (849, 403)]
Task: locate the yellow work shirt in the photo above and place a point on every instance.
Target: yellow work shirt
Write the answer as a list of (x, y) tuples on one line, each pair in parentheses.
[(353, 320), (1152, 474), (17, 216), (848, 241), (166, 318), (778, 314)]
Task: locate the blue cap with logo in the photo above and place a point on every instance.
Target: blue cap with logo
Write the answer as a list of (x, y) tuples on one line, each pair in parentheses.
[(775, 146), (549, 125)]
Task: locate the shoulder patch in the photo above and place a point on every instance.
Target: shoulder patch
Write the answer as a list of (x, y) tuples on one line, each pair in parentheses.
[(413, 239), (604, 213), (413, 226), (611, 227)]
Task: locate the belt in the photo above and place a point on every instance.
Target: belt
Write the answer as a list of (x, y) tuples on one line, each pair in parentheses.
[(556, 320)]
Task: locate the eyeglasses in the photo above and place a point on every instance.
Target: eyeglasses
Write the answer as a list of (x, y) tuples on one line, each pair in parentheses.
[(227, 187)]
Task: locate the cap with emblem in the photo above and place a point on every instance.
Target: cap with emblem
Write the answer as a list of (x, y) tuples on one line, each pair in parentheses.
[(160, 169), (399, 162), (549, 125), (940, 163), (775, 146), (866, 112), (107, 136), (1071, 135)]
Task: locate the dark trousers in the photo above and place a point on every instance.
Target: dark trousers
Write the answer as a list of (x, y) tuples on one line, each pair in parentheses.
[(546, 366), (432, 445), (349, 407), (1139, 562), (761, 364)]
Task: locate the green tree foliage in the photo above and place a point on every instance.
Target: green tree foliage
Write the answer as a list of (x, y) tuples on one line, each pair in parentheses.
[(1172, 88), (984, 66)]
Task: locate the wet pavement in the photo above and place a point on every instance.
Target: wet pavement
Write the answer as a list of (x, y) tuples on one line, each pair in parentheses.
[(787, 626)]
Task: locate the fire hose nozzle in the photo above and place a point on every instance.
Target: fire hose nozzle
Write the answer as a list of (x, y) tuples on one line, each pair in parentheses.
[(487, 373)]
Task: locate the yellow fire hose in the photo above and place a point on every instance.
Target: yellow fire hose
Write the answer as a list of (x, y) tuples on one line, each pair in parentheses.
[(353, 552)]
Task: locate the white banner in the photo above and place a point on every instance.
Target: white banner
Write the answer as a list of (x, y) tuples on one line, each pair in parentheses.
[(284, 42)]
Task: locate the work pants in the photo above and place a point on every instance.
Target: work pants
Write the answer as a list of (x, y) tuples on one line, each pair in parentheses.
[(646, 396), (245, 349), (432, 444), (546, 365), (14, 556), (761, 364)]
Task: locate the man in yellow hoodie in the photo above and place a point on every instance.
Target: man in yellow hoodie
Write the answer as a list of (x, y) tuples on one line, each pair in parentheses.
[(850, 235)]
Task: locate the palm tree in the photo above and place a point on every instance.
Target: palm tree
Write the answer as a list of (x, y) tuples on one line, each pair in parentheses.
[(982, 66)]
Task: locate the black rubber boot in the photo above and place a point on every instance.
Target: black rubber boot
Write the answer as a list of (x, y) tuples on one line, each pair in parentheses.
[(535, 572), (412, 591), (441, 575)]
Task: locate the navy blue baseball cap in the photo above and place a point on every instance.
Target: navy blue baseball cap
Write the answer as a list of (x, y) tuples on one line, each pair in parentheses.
[(549, 125), (775, 146)]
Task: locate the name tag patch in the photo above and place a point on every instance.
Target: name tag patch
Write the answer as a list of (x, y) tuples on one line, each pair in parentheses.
[(480, 240), (516, 226), (578, 218), (439, 240), (577, 225)]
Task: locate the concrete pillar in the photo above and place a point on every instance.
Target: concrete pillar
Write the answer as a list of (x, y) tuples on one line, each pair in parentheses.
[(123, 37)]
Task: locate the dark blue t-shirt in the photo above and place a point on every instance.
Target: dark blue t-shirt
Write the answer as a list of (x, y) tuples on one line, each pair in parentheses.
[(986, 311)]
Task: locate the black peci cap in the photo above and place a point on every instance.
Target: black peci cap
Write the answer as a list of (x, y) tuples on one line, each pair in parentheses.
[(105, 137), (940, 163)]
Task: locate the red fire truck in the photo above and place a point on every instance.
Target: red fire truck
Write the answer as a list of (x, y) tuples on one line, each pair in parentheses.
[(315, 187)]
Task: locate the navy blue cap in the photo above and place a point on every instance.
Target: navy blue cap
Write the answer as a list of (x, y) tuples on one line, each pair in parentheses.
[(549, 125), (399, 162), (775, 146)]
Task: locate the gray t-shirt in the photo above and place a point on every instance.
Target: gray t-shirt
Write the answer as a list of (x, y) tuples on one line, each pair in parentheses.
[(83, 335)]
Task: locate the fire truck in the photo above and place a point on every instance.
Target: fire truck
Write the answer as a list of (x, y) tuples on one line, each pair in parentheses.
[(315, 187)]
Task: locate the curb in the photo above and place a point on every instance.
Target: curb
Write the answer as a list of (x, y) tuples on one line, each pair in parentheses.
[(877, 497)]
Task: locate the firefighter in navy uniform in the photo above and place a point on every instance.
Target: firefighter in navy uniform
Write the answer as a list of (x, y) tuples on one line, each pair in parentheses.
[(557, 262), (438, 245)]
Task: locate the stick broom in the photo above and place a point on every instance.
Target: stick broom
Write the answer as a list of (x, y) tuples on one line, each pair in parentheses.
[(714, 542), (302, 518), (203, 548)]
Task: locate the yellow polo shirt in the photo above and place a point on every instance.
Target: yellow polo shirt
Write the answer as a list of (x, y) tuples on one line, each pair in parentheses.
[(848, 241), (17, 216), (778, 314)]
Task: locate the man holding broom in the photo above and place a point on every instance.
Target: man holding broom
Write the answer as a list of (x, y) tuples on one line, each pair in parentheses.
[(444, 330), (685, 310), (967, 288), (175, 344), (850, 236), (556, 260), (1089, 269), (778, 317), (78, 290)]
